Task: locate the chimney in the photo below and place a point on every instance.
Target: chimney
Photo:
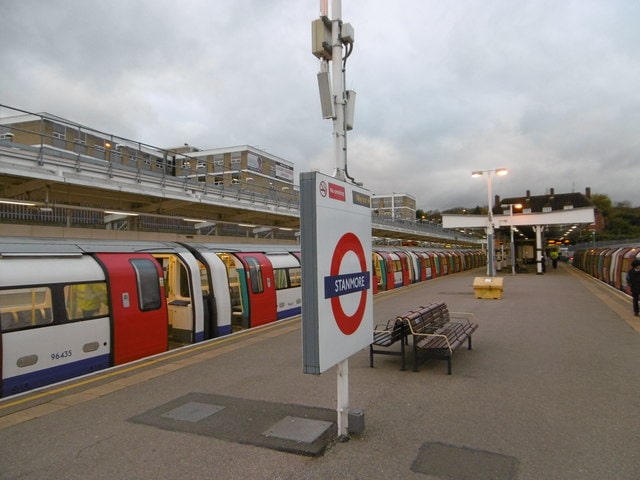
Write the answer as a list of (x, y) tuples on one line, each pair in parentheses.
[(587, 192), (552, 191), (497, 200), (528, 193)]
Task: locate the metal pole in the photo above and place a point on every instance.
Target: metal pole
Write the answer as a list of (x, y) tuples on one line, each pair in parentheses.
[(491, 272), (393, 206), (539, 248), (340, 152), (339, 144), (513, 250), (343, 398)]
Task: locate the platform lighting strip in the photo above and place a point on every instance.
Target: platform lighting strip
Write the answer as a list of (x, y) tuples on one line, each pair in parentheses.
[(15, 202), (114, 212)]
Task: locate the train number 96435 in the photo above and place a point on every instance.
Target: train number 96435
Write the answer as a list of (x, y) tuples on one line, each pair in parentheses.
[(60, 355)]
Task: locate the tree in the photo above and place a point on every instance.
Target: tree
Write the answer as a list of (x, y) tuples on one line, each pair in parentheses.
[(602, 203)]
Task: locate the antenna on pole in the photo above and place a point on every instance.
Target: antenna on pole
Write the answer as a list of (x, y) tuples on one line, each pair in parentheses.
[(329, 36)]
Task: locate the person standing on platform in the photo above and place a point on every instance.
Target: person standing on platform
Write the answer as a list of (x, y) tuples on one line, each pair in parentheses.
[(633, 284), (554, 258)]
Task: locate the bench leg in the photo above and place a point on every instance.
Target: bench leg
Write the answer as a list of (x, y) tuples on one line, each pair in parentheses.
[(449, 365), (469, 340), (371, 356), (404, 360)]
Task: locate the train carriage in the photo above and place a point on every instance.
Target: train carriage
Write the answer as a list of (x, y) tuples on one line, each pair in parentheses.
[(609, 265), (72, 307), (65, 313)]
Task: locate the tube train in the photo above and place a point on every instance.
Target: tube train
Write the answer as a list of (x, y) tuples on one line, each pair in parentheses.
[(609, 264), (72, 307)]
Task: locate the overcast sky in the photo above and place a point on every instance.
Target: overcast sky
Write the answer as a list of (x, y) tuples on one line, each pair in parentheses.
[(549, 89)]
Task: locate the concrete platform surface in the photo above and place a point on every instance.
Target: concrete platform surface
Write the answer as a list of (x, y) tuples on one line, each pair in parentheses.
[(551, 390)]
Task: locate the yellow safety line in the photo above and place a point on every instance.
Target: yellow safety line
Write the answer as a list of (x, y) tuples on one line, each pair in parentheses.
[(618, 301), (145, 363)]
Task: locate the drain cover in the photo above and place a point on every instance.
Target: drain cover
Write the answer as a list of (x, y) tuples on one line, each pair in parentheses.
[(192, 412), (298, 429), (451, 462)]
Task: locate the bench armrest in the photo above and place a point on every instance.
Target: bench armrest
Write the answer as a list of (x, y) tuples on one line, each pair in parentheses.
[(436, 335), (465, 316)]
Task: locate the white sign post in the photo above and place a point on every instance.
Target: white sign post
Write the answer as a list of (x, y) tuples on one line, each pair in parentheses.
[(337, 299)]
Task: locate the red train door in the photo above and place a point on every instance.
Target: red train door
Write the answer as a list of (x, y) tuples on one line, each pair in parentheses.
[(422, 262), (390, 281), (139, 309), (261, 289), (407, 270)]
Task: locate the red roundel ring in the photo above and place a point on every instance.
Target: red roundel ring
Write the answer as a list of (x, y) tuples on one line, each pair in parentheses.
[(348, 243)]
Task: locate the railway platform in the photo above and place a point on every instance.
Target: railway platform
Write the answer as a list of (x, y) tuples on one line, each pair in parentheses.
[(551, 390)]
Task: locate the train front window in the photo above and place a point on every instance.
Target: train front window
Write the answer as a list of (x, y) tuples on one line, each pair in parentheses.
[(149, 296), (25, 307)]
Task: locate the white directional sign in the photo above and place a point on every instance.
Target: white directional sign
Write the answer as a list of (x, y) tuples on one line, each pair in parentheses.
[(337, 301)]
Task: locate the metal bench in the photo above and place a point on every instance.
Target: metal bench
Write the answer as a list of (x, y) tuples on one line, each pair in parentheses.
[(386, 335), (437, 333)]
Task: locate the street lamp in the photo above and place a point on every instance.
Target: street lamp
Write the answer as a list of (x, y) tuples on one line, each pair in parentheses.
[(513, 249), (491, 268)]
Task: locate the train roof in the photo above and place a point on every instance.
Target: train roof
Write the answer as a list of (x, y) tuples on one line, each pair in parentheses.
[(15, 246), (245, 247), (66, 246)]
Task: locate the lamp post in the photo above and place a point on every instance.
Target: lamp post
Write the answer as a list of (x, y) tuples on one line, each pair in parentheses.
[(491, 268)]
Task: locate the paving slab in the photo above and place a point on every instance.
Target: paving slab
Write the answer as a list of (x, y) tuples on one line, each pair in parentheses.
[(289, 428)]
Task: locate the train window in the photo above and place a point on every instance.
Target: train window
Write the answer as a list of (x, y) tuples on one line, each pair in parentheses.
[(287, 277), (149, 296), (255, 275), (86, 300), (183, 285), (295, 277), (25, 307), (280, 275), (204, 278)]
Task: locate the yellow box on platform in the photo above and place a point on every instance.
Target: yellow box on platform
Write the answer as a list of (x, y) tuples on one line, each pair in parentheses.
[(488, 287)]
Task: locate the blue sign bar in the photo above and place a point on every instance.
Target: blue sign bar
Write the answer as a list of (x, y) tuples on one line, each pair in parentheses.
[(335, 286)]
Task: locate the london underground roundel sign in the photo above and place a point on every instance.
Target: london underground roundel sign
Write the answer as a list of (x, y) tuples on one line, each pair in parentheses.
[(337, 285), (337, 300)]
